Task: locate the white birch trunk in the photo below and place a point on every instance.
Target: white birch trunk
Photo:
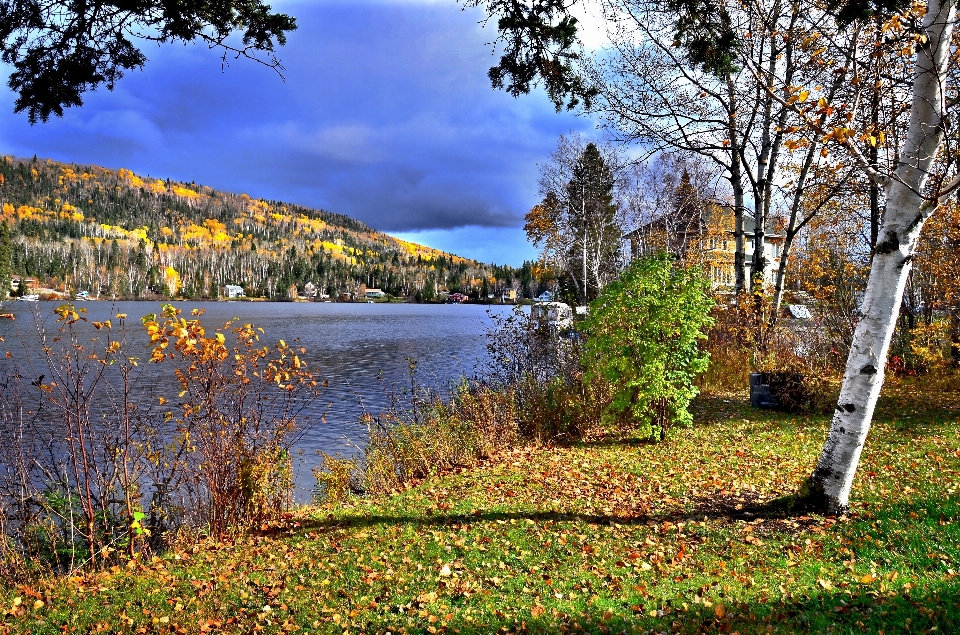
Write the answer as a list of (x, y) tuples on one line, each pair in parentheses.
[(906, 211)]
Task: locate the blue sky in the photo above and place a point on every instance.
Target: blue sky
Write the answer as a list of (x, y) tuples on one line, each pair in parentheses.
[(386, 115)]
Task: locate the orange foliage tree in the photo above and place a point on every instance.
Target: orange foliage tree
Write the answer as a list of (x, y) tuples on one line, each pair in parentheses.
[(237, 415)]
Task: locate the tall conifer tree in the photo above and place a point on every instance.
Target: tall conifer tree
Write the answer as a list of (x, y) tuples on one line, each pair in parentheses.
[(594, 257)]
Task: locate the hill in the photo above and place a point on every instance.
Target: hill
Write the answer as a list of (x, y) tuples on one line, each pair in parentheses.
[(113, 232)]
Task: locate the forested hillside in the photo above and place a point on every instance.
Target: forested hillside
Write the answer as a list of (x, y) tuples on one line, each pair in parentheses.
[(115, 233)]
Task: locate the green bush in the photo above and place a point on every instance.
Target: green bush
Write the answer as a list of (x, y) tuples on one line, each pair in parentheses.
[(642, 339)]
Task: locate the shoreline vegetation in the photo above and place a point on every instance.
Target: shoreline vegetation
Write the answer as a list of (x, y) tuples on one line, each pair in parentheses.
[(51, 295), (533, 501)]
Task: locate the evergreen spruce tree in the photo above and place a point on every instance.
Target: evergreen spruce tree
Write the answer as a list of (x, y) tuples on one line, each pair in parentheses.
[(594, 257)]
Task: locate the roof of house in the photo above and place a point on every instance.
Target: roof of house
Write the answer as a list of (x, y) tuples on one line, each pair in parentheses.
[(693, 223)]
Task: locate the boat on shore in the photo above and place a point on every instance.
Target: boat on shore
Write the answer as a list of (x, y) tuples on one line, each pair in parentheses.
[(30, 297)]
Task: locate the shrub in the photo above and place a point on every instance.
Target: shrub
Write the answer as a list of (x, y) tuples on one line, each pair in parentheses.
[(74, 447), (336, 478), (237, 416), (642, 338), (520, 347), (89, 470), (539, 366), (424, 434)]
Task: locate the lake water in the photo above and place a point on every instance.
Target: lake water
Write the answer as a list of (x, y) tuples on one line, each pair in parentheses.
[(362, 350)]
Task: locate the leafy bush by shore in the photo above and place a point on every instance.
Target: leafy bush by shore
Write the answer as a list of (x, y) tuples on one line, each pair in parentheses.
[(642, 339)]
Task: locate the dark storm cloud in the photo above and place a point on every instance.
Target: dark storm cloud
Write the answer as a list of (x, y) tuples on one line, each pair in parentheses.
[(386, 115)]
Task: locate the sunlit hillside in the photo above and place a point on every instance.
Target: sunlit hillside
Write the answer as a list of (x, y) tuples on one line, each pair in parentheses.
[(113, 232)]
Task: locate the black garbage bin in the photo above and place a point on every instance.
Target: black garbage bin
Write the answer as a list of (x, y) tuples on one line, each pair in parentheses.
[(760, 394)]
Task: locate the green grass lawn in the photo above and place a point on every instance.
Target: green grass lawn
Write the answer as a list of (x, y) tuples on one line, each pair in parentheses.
[(612, 535)]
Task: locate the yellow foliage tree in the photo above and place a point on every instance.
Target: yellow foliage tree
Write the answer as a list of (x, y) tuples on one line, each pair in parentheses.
[(172, 279)]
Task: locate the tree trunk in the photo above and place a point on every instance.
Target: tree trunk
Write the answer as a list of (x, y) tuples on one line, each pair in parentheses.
[(873, 151), (736, 183), (955, 336), (767, 159), (906, 211), (781, 280)]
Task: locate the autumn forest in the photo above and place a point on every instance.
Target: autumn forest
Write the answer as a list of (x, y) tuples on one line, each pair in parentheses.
[(116, 234)]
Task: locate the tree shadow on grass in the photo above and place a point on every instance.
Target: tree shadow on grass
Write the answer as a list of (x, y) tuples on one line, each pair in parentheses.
[(934, 608), (745, 507)]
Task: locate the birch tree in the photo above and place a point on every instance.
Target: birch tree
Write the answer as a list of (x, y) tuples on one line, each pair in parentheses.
[(913, 191), (728, 108), (649, 94), (701, 77)]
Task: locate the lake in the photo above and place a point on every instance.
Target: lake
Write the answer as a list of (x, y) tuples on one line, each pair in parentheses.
[(362, 350)]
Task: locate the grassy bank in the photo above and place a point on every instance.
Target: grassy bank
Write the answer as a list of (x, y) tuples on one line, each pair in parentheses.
[(610, 535)]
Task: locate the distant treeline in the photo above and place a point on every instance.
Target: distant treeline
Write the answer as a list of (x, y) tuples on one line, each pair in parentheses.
[(85, 228)]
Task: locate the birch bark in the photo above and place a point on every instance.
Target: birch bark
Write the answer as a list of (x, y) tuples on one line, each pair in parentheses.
[(906, 211), (736, 183)]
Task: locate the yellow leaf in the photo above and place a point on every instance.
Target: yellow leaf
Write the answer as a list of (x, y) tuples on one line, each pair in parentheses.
[(825, 584), (868, 579)]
